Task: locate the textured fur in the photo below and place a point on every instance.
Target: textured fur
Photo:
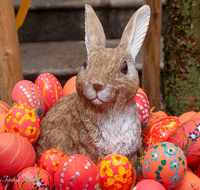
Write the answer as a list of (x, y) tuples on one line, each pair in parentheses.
[(102, 117)]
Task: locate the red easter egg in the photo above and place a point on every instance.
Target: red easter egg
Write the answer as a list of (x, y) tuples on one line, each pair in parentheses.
[(143, 107), (166, 163), (70, 86), (2, 121), (187, 137), (76, 172), (186, 116), (197, 171), (4, 185), (23, 120), (34, 178), (50, 160), (16, 153), (149, 184), (27, 92), (116, 172), (161, 130), (50, 87), (190, 182), (4, 107)]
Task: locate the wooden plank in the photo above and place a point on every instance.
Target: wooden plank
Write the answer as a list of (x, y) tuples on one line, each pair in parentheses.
[(10, 62), (151, 55)]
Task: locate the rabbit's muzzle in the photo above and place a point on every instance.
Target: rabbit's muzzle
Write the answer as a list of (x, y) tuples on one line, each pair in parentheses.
[(99, 94)]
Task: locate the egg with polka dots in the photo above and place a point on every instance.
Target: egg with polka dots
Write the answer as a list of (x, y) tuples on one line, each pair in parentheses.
[(51, 89), (27, 92), (143, 107), (76, 172)]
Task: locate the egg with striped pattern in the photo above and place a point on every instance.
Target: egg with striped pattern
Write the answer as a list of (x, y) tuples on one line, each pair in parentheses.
[(51, 89)]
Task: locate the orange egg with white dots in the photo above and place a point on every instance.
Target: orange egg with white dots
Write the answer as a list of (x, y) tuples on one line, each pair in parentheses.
[(50, 87), (50, 160)]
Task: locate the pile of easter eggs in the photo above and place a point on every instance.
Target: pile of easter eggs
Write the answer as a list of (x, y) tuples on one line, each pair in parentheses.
[(170, 158)]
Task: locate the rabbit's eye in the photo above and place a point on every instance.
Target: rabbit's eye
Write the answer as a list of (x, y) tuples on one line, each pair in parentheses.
[(85, 64), (124, 68)]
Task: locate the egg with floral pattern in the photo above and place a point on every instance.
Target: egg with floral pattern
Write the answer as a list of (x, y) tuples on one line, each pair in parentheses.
[(161, 130), (51, 89), (24, 121), (50, 160), (34, 178), (27, 92), (166, 163), (187, 137), (116, 172), (76, 172), (143, 106)]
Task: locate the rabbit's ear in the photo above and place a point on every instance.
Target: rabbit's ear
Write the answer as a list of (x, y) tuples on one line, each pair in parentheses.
[(135, 31), (94, 33)]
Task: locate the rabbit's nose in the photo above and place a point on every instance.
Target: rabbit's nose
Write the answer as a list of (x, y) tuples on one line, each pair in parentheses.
[(97, 86)]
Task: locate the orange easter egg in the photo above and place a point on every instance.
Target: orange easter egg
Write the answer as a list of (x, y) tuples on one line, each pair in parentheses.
[(186, 116), (51, 89), (34, 178), (141, 91), (161, 130), (166, 163), (16, 153), (190, 182), (197, 115), (24, 121), (116, 172), (4, 107), (50, 160), (2, 121), (70, 86)]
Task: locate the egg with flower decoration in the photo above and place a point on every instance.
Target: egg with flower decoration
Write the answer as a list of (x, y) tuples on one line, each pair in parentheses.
[(161, 130), (50, 87), (27, 92), (24, 121), (34, 178), (16, 154), (50, 159), (116, 172), (143, 106), (76, 172), (187, 137), (166, 163)]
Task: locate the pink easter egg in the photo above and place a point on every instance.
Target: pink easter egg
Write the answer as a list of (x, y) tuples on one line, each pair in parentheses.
[(23, 120), (76, 172), (50, 87), (27, 92), (143, 107), (149, 184), (34, 178), (187, 137)]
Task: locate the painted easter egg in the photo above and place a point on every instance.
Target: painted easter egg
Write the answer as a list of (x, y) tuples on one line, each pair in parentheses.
[(27, 92), (149, 184), (143, 107), (166, 163), (2, 121), (140, 90), (187, 137), (197, 115), (76, 172), (16, 153), (4, 107), (50, 87), (34, 178), (116, 172), (50, 160), (4, 185), (190, 182), (161, 130), (70, 86), (139, 165), (23, 120)]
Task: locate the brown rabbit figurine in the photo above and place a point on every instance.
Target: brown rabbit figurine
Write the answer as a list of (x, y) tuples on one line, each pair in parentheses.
[(102, 117)]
